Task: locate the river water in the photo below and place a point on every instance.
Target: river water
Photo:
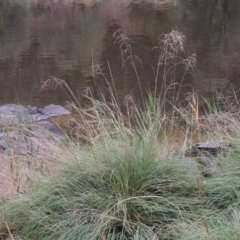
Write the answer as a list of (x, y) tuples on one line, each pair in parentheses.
[(68, 39)]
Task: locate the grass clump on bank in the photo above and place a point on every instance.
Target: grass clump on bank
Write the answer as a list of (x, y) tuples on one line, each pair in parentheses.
[(129, 184), (131, 192), (127, 176)]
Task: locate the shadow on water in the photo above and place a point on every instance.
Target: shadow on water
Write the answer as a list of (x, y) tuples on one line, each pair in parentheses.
[(62, 38)]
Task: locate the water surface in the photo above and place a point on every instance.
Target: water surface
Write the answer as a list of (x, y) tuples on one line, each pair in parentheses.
[(66, 38)]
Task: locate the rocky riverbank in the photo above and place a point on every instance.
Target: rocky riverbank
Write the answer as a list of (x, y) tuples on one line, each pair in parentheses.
[(26, 130)]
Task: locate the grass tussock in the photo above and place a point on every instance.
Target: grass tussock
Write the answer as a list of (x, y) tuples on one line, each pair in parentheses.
[(126, 173), (129, 186)]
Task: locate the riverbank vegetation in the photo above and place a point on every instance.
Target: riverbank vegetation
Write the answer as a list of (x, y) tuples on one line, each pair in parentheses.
[(126, 174)]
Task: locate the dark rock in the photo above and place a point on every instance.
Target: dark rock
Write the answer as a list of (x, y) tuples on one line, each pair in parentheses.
[(205, 154), (32, 110), (209, 145), (53, 129), (209, 149), (206, 165)]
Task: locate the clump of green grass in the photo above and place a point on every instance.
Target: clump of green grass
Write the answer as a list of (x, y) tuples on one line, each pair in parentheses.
[(132, 191)]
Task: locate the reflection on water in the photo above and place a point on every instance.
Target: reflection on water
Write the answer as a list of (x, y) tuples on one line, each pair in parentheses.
[(63, 38)]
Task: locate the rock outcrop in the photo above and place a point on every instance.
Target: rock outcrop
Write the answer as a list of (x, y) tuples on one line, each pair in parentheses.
[(28, 133)]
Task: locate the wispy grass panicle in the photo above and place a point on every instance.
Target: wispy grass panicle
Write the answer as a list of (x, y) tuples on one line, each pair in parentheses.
[(191, 61), (172, 43), (171, 54), (126, 54), (170, 46), (54, 83)]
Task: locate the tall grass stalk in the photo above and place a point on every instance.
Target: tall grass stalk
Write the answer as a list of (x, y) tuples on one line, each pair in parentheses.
[(171, 47), (126, 54)]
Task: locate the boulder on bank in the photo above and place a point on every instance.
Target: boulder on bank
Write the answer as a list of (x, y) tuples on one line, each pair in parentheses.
[(37, 136), (205, 155), (212, 148), (13, 113), (49, 111)]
